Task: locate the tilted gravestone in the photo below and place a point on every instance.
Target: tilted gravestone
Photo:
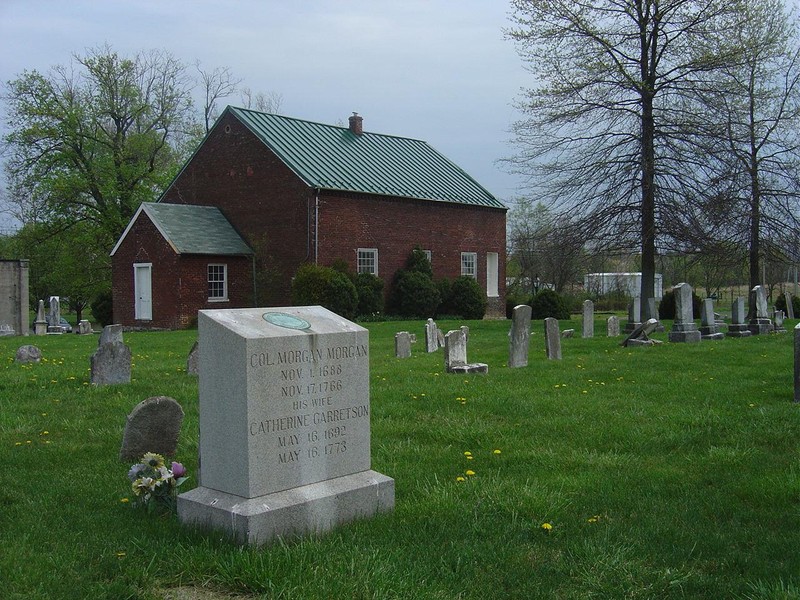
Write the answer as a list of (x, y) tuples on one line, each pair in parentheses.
[(640, 335), (28, 354), (153, 426), (519, 337), (684, 328), (761, 322), (552, 339), (587, 329), (284, 425), (402, 344), (192, 360), (431, 336), (738, 326), (568, 334), (612, 326), (709, 330)]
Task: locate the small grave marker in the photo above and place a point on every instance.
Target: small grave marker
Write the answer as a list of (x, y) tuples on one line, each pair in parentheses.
[(402, 344), (738, 326), (552, 339), (587, 329), (28, 354), (519, 337), (612, 326), (761, 323), (152, 426), (709, 330)]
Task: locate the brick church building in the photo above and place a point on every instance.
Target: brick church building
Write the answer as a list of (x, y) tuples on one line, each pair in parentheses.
[(264, 194)]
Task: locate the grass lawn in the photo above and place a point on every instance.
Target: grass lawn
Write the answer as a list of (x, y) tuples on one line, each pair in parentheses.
[(664, 472)]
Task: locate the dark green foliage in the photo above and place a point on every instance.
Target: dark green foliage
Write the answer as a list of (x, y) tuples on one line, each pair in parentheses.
[(414, 295), (103, 308), (418, 262), (548, 303), (370, 294), (467, 299), (780, 304), (314, 284), (444, 286), (341, 265), (666, 308)]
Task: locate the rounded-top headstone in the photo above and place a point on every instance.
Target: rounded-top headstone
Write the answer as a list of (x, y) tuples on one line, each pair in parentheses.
[(153, 426), (28, 354)]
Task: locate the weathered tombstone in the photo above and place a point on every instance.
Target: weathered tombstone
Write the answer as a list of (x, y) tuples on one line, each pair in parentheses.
[(634, 314), (612, 326), (684, 328), (439, 338), (40, 324), (797, 363), (519, 337), (111, 364), (14, 296), (28, 354), (652, 313), (110, 333), (284, 425), (54, 318), (84, 327), (738, 326), (709, 330), (789, 305), (431, 336), (587, 329), (402, 344), (192, 360), (640, 335), (552, 339), (568, 333), (153, 426), (465, 331), (455, 354), (777, 319), (761, 323)]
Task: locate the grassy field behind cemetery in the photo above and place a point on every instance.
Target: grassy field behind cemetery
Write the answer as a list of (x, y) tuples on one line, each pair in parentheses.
[(661, 472)]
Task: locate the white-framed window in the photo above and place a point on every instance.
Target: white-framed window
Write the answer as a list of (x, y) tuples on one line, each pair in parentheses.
[(492, 274), (217, 282), (367, 260), (469, 264), (429, 255)]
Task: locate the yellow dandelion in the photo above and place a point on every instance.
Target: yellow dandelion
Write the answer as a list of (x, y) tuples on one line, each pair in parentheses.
[(467, 453), (469, 472), (18, 444), (470, 457), (585, 392), (460, 478), (45, 433), (124, 500), (121, 555), (496, 451), (547, 526)]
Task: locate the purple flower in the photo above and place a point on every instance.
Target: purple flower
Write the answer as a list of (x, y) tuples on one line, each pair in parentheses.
[(178, 470)]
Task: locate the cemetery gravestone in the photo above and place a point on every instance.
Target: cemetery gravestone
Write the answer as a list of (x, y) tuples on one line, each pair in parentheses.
[(519, 337), (284, 425), (612, 326), (84, 327), (761, 323), (402, 344), (738, 326), (111, 362), (684, 328), (192, 360), (455, 354), (634, 314), (431, 336), (40, 324), (640, 335), (55, 316), (28, 354), (709, 330), (568, 333), (588, 319), (153, 426), (777, 319), (552, 339), (789, 305), (14, 319)]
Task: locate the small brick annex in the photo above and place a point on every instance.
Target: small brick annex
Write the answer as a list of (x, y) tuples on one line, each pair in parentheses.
[(288, 223)]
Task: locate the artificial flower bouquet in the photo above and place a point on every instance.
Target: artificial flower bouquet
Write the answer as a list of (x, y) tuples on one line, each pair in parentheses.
[(154, 484)]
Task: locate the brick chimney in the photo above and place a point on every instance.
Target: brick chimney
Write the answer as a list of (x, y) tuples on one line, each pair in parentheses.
[(355, 124)]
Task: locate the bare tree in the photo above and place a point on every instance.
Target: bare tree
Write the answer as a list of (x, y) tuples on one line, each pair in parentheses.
[(602, 121), (269, 103), (217, 84)]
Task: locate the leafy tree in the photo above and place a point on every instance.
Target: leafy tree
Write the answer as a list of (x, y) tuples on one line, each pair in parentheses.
[(604, 123), (91, 140)]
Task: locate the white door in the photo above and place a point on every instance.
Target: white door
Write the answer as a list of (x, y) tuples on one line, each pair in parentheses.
[(492, 275), (143, 309)]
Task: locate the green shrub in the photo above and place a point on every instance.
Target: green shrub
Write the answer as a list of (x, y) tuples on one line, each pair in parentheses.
[(103, 308), (548, 303), (780, 304), (370, 294), (418, 262), (444, 286), (315, 284), (467, 299), (414, 295), (666, 308)]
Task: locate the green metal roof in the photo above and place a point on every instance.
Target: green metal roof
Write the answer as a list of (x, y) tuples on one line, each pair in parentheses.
[(334, 158), (191, 229)]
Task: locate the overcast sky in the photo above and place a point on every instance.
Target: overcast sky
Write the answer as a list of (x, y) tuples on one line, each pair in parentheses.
[(436, 70)]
